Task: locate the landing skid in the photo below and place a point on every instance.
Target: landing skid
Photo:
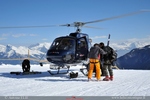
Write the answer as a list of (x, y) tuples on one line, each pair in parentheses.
[(84, 71), (58, 71), (65, 68)]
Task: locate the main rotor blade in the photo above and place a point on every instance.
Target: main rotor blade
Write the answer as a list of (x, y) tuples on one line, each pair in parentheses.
[(129, 14), (7, 27), (77, 24), (93, 27)]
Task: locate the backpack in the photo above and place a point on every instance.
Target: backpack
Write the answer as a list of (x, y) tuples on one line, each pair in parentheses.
[(73, 75), (111, 53)]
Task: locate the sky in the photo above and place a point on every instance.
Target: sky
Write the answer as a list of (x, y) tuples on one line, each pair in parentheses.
[(58, 12)]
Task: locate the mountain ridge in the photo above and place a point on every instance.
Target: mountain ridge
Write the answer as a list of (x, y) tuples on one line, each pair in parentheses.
[(38, 51), (138, 58)]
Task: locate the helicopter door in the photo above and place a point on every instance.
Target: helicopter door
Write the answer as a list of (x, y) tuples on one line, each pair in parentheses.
[(81, 49)]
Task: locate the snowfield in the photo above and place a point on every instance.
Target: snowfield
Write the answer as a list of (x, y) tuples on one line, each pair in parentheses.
[(125, 83)]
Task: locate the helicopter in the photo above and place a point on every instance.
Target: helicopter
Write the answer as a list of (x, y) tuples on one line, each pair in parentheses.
[(71, 50)]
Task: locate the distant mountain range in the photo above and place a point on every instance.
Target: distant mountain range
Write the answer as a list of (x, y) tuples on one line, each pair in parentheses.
[(36, 51), (125, 51), (138, 58), (126, 46)]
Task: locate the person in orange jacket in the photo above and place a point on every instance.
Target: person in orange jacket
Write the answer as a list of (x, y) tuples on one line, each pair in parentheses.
[(94, 56)]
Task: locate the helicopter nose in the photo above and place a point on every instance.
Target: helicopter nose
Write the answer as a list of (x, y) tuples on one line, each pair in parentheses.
[(69, 58), (49, 59)]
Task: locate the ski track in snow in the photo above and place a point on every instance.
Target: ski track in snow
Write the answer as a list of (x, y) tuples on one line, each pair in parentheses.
[(125, 83)]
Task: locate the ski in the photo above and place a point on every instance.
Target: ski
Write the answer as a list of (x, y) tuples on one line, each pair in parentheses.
[(25, 73)]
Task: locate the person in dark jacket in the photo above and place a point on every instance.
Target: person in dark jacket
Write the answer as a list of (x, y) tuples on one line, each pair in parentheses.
[(26, 65), (101, 61), (107, 62), (94, 56)]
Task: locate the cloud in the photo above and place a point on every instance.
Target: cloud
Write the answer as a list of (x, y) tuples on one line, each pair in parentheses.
[(140, 40), (44, 39), (18, 35), (5, 34), (3, 39), (98, 37), (32, 34)]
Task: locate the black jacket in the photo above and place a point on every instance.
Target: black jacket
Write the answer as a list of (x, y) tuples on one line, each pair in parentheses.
[(108, 59)]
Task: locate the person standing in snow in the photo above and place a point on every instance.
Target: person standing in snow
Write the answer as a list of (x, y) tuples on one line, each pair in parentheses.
[(101, 63), (94, 56), (26, 65), (107, 62)]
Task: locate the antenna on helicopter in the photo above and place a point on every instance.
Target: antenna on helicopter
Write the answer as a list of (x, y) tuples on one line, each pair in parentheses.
[(108, 40)]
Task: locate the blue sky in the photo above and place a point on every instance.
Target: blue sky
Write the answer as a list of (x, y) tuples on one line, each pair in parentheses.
[(57, 12)]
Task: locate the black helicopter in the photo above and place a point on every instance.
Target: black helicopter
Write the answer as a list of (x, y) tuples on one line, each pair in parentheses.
[(73, 49), (69, 50)]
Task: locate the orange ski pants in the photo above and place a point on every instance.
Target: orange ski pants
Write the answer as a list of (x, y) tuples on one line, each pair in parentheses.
[(94, 63)]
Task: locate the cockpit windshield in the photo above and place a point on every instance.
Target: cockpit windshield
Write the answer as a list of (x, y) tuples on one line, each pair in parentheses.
[(63, 44)]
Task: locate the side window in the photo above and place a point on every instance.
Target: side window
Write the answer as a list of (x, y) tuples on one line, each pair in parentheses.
[(82, 49), (81, 43)]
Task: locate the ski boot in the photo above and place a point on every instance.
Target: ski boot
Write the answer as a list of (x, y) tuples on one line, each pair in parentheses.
[(106, 78), (89, 79), (111, 78)]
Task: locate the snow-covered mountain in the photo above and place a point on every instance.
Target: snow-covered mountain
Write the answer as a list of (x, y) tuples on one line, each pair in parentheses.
[(43, 47), (138, 58), (126, 46), (37, 51)]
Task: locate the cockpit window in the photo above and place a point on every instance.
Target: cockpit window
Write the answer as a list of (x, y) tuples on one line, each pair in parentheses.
[(63, 44), (55, 43)]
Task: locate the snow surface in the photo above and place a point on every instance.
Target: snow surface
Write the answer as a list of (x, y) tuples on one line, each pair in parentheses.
[(125, 83)]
